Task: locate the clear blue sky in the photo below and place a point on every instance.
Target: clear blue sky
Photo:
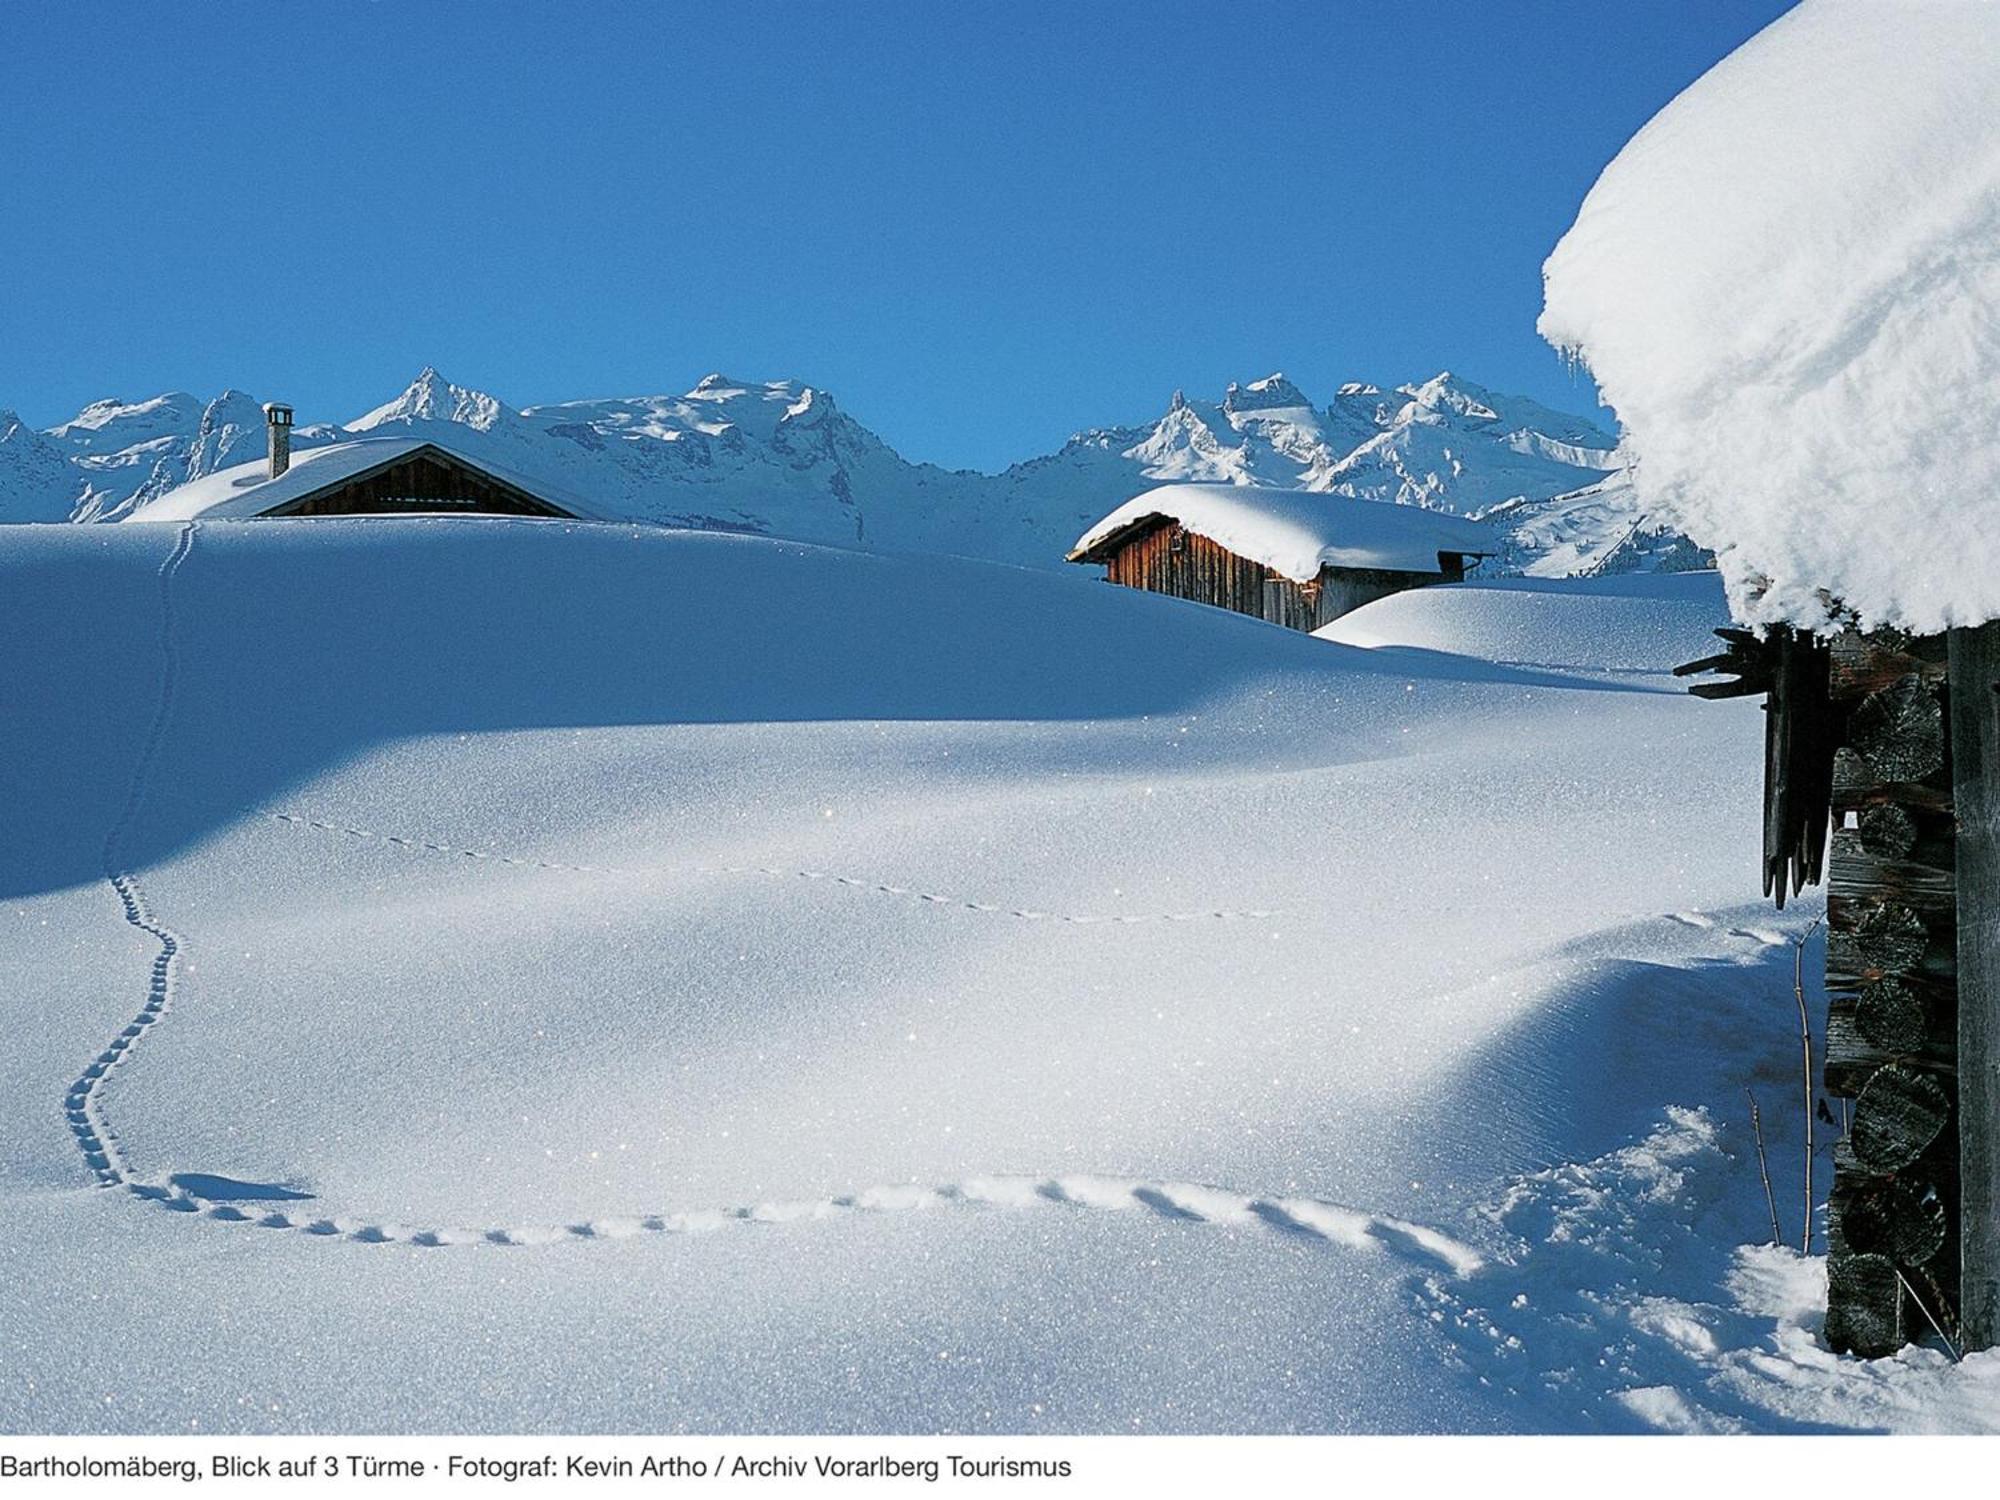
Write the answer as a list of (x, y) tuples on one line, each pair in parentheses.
[(978, 226)]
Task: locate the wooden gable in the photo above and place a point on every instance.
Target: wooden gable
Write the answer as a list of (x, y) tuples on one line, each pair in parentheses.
[(423, 481)]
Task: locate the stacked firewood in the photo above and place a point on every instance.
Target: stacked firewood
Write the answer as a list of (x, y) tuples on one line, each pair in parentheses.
[(1891, 971)]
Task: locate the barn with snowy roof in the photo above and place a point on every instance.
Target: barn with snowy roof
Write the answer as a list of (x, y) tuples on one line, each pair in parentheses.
[(1293, 557), (362, 477)]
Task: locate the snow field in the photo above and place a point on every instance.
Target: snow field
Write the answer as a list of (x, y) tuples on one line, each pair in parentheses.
[(496, 1053)]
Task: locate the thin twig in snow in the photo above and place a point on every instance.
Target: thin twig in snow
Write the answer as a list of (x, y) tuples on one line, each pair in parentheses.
[(1763, 1166), (1805, 1049)]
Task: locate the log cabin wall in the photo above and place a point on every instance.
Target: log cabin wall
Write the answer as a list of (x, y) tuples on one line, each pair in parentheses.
[(1891, 976), (1173, 560)]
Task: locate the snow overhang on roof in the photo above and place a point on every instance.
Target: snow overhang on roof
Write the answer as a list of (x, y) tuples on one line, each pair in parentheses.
[(1786, 286), (248, 490), (1294, 532)]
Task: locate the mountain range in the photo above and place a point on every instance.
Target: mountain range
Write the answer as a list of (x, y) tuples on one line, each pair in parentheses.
[(782, 458)]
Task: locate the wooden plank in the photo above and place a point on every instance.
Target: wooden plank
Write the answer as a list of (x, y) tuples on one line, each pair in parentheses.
[(1859, 875), (1975, 750)]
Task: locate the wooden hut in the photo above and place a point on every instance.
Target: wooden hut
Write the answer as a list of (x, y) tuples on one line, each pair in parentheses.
[(364, 477), (1292, 557)]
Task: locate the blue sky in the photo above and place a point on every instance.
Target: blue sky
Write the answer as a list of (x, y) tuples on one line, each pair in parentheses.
[(979, 227)]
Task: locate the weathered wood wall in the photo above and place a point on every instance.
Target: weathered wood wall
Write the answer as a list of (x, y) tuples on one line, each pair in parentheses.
[(1891, 975), (1174, 560)]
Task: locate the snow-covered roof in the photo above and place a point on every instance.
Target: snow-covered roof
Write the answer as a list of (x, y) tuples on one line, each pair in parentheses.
[(249, 490), (1788, 286), (1296, 532)]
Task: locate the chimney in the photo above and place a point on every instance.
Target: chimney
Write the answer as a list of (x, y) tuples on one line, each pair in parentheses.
[(278, 424)]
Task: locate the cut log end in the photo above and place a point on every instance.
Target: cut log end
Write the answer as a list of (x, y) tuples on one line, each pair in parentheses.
[(1888, 1216), (1887, 831), (1881, 939), (1897, 1116), (1892, 1016), (1864, 1306), (1899, 731)]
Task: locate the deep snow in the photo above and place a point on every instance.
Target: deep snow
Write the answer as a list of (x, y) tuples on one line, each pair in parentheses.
[(617, 979), (1786, 285)]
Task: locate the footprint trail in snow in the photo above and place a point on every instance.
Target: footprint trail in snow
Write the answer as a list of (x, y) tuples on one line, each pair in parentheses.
[(217, 1198)]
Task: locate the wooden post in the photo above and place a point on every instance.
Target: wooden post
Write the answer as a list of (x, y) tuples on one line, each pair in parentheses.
[(1975, 749)]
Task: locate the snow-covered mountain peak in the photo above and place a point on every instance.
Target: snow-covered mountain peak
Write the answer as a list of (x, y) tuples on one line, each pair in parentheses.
[(231, 431), (1529, 425), (1191, 442), (717, 387), (718, 402), (109, 426), (432, 398), (1272, 393), (781, 456), (811, 406), (1446, 393)]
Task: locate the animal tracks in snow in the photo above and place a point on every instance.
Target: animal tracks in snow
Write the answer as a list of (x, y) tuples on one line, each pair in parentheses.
[(279, 1208), (83, 1108), (1308, 1219), (420, 845)]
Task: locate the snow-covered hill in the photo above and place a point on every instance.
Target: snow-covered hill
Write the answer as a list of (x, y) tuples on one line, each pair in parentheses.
[(616, 974), (782, 458)]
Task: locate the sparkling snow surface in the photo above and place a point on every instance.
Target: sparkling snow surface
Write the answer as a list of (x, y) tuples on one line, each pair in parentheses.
[(617, 980), (1788, 286)]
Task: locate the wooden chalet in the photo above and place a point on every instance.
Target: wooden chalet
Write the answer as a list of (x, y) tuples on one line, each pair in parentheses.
[(1291, 557), (363, 477)]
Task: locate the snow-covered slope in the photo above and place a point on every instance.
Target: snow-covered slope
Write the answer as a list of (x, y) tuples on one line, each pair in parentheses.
[(1601, 528), (783, 459), (35, 475), (626, 1010)]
